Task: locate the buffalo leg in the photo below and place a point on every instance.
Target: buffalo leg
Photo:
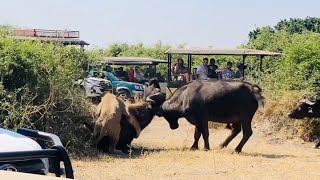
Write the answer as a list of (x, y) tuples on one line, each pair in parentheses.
[(113, 144), (197, 135), (247, 132), (205, 134), (317, 145), (236, 128)]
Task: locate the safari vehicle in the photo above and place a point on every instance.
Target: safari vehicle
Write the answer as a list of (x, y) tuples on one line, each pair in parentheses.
[(151, 63), (119, 87), (129, 89), (189, 52), (34, 152), (94, 85)]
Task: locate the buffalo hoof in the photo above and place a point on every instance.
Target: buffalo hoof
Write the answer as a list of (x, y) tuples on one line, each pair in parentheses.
[(194, 148), (237, 151), (221, 146), (115, 151)]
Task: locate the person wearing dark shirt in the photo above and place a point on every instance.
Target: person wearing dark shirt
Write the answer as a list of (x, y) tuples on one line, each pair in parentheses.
[(212, 67)]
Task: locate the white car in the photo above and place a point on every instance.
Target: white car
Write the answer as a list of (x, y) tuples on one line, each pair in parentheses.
[(27, 151), (94, 86)]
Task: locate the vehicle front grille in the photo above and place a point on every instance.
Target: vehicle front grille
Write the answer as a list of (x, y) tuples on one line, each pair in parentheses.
[(104, 86)]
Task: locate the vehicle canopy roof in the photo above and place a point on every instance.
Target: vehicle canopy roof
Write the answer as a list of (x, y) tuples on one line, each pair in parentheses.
[(210, 51), (131, 61), (213, 51)]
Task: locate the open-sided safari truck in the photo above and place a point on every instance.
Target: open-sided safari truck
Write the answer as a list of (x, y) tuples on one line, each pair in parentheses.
[(150, 65), (190, 52), (115, 79)]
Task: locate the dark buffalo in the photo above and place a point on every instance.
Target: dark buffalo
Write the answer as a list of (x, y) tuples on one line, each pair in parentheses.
[(307, 109), (143, 113), (231, 102)]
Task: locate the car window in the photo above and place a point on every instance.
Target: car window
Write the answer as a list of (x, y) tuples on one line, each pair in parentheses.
[(112, 77)]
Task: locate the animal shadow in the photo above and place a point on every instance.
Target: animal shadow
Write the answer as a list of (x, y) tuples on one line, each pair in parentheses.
[(137, 152), (269, 156)]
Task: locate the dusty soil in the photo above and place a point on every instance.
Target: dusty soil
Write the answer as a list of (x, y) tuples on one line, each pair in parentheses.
[(164, 154)]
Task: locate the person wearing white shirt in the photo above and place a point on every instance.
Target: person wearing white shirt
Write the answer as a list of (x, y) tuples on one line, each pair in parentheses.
[(202, 70)]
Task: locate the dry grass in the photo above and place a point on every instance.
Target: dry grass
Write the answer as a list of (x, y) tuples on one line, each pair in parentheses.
[(273, 118), (164, 154), (275, 150)]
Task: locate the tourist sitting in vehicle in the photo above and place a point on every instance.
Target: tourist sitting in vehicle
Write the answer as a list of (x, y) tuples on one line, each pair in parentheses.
[(123, 75), (227, 72), (180, 71), (202, 70), (212, 67), (139, 75), (239, 73)]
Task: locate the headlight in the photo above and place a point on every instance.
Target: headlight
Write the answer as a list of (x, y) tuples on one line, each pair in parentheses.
[(137, 87)]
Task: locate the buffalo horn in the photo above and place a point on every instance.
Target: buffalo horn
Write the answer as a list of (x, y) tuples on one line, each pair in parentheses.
[(148, 99)]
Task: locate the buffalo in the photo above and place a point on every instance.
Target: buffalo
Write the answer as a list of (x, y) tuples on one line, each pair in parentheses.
[(224, 101), (307, 109), (143, 112)]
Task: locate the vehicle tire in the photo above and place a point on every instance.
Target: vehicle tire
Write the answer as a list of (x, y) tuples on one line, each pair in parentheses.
[(125, 94)]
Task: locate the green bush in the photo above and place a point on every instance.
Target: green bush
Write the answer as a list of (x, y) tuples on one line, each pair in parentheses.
[(34, 78), (296, 71)]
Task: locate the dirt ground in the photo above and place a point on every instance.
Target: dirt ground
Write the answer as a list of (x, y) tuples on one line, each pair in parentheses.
[(163, 153)]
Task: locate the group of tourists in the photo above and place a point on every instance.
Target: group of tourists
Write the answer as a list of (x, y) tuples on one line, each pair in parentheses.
[(207, 70)]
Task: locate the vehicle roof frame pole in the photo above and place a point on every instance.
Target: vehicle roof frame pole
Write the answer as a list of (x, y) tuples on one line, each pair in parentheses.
[(260, 59), (189, 61), (169, 67), (243, 59)]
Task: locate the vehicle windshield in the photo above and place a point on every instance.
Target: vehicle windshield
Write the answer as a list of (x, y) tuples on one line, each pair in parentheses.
[(112, 77)]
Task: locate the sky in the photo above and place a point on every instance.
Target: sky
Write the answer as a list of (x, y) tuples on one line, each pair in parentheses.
[(195, 23)]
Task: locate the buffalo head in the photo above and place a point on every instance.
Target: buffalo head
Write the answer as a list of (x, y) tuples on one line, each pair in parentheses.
[(172, 117), (170, 113), (306, 108), (153, 94)]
